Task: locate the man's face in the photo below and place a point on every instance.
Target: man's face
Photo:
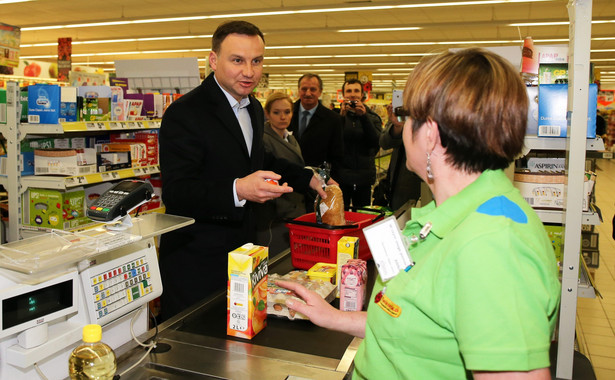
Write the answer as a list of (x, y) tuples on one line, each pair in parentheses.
[(238, 64), (309, 92), (352, 91)]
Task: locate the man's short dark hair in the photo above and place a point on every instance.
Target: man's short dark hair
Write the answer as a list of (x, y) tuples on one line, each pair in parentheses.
[(352, 81), (233, 27), (310, 76)]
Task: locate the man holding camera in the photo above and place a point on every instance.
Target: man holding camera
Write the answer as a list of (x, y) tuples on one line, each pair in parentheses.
[(361, 128)]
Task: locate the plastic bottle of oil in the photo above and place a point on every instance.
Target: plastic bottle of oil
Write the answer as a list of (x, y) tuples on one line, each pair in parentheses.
[(93, 359)]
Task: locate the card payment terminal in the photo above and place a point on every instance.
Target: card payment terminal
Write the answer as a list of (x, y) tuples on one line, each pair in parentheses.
[(120, 200)]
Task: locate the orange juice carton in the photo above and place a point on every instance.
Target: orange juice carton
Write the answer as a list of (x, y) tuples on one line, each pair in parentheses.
[(347, 249), (323, 272), (353, 285), (246, 311)]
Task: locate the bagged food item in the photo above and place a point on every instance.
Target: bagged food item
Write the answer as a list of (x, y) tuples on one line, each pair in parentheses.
[(277, 296), (330, 210)]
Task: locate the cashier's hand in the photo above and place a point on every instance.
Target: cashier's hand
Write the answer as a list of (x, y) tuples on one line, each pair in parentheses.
[(322, 313), (316, 183), (255, 188)]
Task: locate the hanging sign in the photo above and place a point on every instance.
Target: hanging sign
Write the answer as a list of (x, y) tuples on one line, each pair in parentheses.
[(65, 50), (10, 37)]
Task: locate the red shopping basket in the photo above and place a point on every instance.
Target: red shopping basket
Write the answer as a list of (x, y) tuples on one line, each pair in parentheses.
[(312, 243)]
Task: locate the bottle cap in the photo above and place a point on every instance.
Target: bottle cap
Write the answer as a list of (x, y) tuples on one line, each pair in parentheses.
[(92, 333)]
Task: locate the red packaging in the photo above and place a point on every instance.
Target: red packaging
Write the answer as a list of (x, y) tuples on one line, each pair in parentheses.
[(353, 284)]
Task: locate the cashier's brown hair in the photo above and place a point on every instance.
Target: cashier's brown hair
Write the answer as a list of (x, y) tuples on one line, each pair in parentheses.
[(233, 27), (479, 103)]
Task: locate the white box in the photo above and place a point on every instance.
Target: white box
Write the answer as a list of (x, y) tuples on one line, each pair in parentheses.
[(546, 191), (70, 162)]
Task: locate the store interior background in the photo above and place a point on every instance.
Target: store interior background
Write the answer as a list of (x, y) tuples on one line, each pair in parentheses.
[(327, 37)]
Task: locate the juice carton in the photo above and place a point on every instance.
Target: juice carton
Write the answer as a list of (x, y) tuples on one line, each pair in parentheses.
[(246, 311), (353, 285), (347, 249)]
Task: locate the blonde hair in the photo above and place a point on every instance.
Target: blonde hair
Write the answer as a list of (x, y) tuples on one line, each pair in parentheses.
[(275, 97)]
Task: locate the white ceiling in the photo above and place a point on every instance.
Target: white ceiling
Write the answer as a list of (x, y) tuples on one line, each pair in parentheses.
[(455, 25)]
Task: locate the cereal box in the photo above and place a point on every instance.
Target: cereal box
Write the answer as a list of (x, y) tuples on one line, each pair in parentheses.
[(347, 249), (246, 312), (353, 285)]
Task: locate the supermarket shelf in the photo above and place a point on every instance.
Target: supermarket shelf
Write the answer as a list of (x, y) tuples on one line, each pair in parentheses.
[(585, 288), (27, 231), (600, 154), (591, 217), (63, 183), (533, 142), (87, 126)]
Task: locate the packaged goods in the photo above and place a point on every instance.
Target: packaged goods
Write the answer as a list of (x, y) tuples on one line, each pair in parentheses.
[(353, 284), (56, 209), (70, 162), (246, 311), (277, 296), (347, 249), (43, 104), (552, 110), (330, 210), (323, 272)]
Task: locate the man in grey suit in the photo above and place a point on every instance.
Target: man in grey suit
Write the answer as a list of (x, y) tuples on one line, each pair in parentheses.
[(212, 159)]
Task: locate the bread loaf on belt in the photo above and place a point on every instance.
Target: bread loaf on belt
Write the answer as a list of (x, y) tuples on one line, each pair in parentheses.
[(331, 209)]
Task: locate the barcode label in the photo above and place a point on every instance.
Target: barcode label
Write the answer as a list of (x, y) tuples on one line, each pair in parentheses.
[(530, 201), (549, 130), (238, 303), (84, 170), (42, 170), (34, 119)]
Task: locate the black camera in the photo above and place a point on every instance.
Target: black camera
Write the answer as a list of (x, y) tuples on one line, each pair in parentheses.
[(353, 103)]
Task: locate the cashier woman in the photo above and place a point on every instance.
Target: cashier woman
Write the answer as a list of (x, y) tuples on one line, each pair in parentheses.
[(482, 298)]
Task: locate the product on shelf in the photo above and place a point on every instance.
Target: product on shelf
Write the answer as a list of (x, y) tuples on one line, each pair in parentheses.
[(55, 209), (552, 109), (70, 162), (43, 104)]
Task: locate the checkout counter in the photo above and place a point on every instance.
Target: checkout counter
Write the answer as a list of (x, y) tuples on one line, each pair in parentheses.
[(53, 285)]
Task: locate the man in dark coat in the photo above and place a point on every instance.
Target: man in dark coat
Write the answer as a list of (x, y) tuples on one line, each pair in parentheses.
[(212, 156)]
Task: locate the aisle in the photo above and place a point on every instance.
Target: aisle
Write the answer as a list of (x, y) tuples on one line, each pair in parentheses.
[(597, 316)]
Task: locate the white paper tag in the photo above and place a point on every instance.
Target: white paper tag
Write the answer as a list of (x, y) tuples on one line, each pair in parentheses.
[(387, 246)]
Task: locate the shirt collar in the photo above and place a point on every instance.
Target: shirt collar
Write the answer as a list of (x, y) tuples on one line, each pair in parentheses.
[(232, 101), (311, 112), (454, 210)]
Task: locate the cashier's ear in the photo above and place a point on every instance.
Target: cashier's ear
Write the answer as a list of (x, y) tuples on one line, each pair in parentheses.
[(213, 58)]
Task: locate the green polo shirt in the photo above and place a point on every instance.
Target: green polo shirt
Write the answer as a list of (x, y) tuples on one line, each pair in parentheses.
[(482, 296)]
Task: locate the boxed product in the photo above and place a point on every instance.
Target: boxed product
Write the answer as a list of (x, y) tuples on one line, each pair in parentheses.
[(553, 73), (96, 103), (353, 285), (246, 311), (589, 241), (68, 104), (70, 162), (552, 110), (323, 272), (556, 236), (106, 161), (532, 112), (138, 151), (56, 209), (546, 164), (546, 190), (277, 296), (592, 258), (43, 104), (149, 138), (347, 249)]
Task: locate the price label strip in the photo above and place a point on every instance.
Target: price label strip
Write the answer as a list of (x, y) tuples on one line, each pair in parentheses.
[(388, 249)]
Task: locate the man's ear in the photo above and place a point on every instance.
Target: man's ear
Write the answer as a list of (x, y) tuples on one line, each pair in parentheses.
[(213, 60)]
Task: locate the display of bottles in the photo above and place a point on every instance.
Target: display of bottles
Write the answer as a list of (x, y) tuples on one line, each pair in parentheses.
[(92, 359)]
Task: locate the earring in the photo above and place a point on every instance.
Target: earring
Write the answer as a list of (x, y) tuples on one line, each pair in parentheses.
[(429, 172)]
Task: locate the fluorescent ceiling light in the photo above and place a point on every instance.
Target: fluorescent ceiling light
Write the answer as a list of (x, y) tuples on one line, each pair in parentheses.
[(122, 40), (379, 29), (278, 13), (556, 23), (2, 2)]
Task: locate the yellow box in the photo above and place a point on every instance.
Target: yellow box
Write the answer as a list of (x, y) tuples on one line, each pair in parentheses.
[(347, 248), (246, 310), (323, 272)]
